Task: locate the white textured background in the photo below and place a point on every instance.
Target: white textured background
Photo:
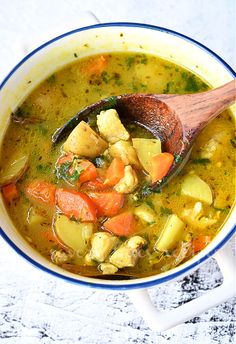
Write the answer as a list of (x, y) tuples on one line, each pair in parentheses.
[(38, 309)]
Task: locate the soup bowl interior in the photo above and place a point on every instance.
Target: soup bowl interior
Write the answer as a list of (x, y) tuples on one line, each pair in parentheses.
[(103, 38)]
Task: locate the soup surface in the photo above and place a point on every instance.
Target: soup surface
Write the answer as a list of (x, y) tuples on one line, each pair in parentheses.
[(86, 204)]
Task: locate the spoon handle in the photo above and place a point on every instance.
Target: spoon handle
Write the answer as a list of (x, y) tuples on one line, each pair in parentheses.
[(201, 108)]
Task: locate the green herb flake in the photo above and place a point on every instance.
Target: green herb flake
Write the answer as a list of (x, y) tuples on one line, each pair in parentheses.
[(51, 79), (178, 158), (42, 129), (223, 210), (144, 60), (63, 171), (165, 211), (123, 238), (233, 142), (202, 161), (130, 61), (168, 87), (99, 161), (44, 168), (150, 204), (146, 190), (104, 77)]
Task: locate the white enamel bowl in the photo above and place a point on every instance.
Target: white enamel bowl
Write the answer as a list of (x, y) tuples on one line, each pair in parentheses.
[(172, 46)]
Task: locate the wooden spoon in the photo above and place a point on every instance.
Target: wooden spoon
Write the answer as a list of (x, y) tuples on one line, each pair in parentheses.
[(175, 119)]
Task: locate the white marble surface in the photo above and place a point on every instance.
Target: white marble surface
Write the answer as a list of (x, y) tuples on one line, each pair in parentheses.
[(38, 309)]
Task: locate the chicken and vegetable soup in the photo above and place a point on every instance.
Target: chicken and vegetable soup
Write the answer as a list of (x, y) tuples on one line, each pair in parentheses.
[(86, 204)]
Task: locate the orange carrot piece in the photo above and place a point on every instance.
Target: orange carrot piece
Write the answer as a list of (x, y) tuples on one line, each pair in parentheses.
[(89, 173), (115, 172), (96, 65), (41, 191), (201, 242), (108, 203), (96, 184), (123, 224), (10, 192), (160, 165), (76, 204), (89, 170)]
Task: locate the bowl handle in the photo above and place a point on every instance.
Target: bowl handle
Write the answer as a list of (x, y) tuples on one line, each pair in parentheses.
[(161, 321)]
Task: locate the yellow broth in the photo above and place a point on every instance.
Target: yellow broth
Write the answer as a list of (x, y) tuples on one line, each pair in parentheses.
[(69, 90)]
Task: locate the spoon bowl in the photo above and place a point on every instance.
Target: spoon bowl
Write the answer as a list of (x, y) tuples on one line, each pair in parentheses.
[(175, 119)]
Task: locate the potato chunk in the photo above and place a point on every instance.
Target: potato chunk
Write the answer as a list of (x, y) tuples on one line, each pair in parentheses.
[(102, 245), (110, 126), (171, 235), (146, 149), (145, 213), (126, 152), (84, 142), (13, 171), (127, 254), (73, 234), (196, 188)]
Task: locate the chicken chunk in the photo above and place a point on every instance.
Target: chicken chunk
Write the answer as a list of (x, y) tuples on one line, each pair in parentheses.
[(126, 152), (214, 147), (85, 142), (194, 217), (108, 269), (129, 182), (102, 245), (88, 260), (60, 257), (110, 126), (127, 254)]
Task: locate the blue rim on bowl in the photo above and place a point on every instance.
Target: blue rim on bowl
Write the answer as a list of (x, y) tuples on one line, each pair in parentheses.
[(136, 284)]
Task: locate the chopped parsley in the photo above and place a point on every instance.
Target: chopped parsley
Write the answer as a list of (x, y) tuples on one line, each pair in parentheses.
[(165, 211), (150, 204), (99, 161), (178, 158), (44, 168), (130, 60), (202, 161), (70, 170), (233, 142)]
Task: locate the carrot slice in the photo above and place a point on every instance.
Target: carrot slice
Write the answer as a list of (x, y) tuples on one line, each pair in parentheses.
[(89, 173), (89, 170), (96, 65), (115, 172), (65, 158), (10, 192), (108, 203), (41, 191), (96, 184), (122, 224), (76, 204), (160, 165), (201, 242)]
